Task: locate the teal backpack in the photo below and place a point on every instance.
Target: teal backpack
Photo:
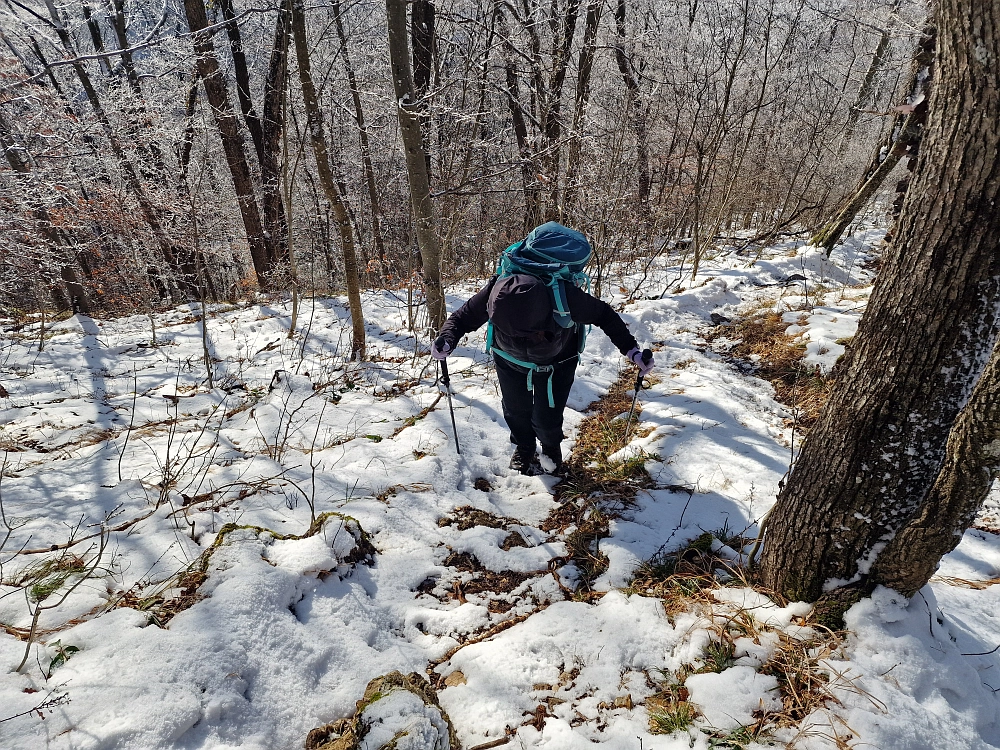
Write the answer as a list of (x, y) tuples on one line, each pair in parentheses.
[(556, 255)]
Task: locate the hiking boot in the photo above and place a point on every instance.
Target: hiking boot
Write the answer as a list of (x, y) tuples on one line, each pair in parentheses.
[(554, 454), (526, 462)]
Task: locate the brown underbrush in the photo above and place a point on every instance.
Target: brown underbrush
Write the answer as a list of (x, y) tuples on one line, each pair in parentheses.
[(765, 348)]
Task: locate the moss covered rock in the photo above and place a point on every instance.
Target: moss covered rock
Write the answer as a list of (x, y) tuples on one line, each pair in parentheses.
[(397, 712)]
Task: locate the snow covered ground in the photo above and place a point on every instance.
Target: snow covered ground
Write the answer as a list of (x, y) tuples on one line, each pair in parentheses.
[(345, 557)]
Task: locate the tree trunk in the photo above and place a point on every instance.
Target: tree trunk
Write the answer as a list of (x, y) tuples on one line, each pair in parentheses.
[(96, 37), (416, 165), (315, 126), (636, 111), (422, 16), (187, 137), (972, 463), (869, 464), (232, 140), (366, 154), (243, 77), (272, 125), (585, 68), (119, 25)]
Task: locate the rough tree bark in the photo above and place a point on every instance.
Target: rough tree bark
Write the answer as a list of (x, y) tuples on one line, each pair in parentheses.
[(416, 165), (867, 467), (971, 465), (315, 126)]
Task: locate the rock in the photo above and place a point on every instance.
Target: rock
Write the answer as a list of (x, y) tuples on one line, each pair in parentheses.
[(336, 736), (397, 712)]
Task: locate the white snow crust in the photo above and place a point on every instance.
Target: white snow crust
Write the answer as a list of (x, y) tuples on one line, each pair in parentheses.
[(102, 427)]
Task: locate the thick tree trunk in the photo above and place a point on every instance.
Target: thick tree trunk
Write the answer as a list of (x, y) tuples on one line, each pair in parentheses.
[(416, 164), (971, 465), (868, 465), (366, 153), (232, 140), (327, 182)]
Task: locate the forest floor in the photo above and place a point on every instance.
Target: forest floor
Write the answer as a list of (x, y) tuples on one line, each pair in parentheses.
[(225, 564)]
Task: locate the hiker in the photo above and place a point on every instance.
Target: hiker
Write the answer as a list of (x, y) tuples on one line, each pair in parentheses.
[(537, 317)]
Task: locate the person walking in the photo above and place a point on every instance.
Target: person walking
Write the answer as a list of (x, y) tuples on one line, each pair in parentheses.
[(537, 333)]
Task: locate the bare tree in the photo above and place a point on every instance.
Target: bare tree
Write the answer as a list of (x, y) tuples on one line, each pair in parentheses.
[(327, 181), (421, 202)]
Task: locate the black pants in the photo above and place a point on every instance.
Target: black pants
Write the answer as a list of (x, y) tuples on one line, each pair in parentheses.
[(528, 414)]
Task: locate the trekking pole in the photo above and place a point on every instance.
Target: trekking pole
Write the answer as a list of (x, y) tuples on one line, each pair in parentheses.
[(447, 389), (647, 355)]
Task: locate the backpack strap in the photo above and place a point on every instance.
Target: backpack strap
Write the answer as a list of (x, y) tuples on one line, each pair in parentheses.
[(532, 368)]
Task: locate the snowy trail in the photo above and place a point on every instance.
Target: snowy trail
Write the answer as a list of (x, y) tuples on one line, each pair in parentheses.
[(288, 631)]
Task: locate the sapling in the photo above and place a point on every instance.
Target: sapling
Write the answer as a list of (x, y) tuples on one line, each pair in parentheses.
[(43, 594)]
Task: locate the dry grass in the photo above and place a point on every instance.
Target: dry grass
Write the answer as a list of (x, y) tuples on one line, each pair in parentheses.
[(804, 685), (593, 490), (681, 578), (773, 354), (684, 579)]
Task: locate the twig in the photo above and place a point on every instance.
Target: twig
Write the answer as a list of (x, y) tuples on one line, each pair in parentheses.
[(47, 702), (984, 653)]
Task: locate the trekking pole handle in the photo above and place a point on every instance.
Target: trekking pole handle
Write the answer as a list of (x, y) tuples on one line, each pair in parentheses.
[(444, 362), (647, 356)]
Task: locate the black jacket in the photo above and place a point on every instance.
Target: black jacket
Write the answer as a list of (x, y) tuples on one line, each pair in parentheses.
[(584, 309)]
